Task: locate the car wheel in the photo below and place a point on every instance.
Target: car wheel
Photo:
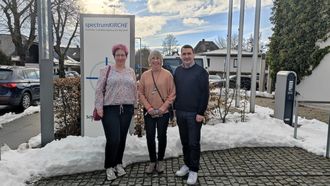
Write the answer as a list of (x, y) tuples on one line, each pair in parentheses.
[(26, 101)]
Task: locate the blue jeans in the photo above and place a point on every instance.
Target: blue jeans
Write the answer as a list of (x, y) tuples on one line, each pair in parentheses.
[(151, 124), (116, 120), (190, 134)]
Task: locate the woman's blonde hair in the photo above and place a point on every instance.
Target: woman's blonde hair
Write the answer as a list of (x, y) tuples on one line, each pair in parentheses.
[(155, 53)]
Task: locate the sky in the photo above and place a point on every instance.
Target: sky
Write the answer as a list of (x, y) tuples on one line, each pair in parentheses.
[(189, 21), (83, 154)]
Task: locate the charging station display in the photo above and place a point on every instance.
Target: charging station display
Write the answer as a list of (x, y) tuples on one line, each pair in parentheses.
[(285, 90)]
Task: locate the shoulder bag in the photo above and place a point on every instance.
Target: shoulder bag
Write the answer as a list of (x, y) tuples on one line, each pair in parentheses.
[(96, 116)]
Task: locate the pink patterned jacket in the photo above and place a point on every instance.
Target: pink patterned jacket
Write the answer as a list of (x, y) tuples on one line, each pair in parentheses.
[(120, 89)]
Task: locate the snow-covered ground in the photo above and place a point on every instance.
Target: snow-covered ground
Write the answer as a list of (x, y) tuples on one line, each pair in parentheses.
[(82, 154)]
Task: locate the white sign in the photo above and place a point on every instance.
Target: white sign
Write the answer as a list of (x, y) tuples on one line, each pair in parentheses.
[(98, 34)]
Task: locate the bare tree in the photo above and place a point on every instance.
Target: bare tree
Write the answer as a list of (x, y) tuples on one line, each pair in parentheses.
[(250, 41), (169, 44), (222, 42), (20, 18), (144, 57), (65, 16)]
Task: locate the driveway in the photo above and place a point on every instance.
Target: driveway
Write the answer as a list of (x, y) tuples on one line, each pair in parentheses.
[(20, 130)]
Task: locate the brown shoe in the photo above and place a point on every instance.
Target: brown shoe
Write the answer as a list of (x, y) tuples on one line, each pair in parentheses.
[(160, 167), (150, 168)]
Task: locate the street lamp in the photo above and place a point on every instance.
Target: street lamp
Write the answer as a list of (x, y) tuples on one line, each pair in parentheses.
[(140, 56)]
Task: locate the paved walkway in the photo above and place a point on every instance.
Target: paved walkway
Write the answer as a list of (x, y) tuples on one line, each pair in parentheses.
[(239, 166), (20, 130)]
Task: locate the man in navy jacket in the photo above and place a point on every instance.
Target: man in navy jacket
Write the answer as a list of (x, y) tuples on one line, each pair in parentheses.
[(192, 95)]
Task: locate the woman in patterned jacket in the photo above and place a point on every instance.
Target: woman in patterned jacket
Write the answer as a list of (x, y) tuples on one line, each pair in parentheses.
[(116, 107)]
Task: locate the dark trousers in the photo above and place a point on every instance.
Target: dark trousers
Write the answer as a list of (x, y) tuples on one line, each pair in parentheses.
[(190, 133), (116, 120), (151, 124)]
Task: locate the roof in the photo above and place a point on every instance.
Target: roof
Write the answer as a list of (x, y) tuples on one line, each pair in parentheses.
[(203, 46), (223, 52), (15, 67)]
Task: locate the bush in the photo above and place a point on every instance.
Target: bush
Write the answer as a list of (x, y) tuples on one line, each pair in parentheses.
[(67, 107)]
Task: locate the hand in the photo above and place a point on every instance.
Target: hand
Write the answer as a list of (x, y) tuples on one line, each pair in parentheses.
[(100, 113), (151, 111), (161, 111), (199, 118)]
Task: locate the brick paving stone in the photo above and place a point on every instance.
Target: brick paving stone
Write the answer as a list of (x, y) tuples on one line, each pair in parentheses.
[(240, 166)]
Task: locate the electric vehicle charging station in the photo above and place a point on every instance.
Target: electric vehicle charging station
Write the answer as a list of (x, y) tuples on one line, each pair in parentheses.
[(285, 91)]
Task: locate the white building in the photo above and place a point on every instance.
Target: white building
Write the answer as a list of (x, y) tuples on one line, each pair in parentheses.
[(216, 61), (6, 44), (315, 87)]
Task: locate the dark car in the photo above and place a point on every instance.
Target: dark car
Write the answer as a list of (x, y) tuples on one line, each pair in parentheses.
[(19, 86), (245, 82)]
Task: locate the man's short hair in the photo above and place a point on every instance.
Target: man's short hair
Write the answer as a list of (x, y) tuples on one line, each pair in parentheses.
[(187, 46)]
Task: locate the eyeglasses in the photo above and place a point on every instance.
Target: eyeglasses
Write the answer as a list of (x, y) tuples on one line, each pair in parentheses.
[(120, 55)]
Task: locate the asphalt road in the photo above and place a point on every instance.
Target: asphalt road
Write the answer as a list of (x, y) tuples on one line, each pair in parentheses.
[(20, 130)]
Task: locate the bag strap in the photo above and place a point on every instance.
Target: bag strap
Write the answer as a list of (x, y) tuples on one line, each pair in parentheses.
[(106, 78), (153, 78)]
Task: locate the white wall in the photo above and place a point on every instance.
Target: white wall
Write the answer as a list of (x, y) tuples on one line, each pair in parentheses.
[(217, 64), (316, 87), (6, 44)]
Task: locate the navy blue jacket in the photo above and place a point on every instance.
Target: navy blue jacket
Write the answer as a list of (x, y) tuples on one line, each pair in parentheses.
[(192, 89)]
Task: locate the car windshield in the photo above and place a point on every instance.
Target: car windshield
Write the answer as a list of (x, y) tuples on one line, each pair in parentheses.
[(215, 77), (5, 74)]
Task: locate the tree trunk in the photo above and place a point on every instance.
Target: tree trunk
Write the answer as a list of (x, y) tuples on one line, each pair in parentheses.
[(61, 66)]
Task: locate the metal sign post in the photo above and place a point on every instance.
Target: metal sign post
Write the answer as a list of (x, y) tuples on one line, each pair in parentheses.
[(239, 55), (327, 154), (45, 36), (227, 63), (255, 56), (295, 112)]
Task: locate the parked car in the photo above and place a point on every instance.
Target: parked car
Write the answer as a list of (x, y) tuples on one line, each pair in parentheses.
[(170, 63), (19, 86), (245, 82), (68, 74), (71, 74), (216, 80)]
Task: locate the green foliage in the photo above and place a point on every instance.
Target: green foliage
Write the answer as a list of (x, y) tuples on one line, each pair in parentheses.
[(4, 60), (298, 25)]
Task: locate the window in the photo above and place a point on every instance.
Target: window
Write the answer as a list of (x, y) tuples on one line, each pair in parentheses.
[(235, 63), (5, 74), (38, 74), (30, 74)]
